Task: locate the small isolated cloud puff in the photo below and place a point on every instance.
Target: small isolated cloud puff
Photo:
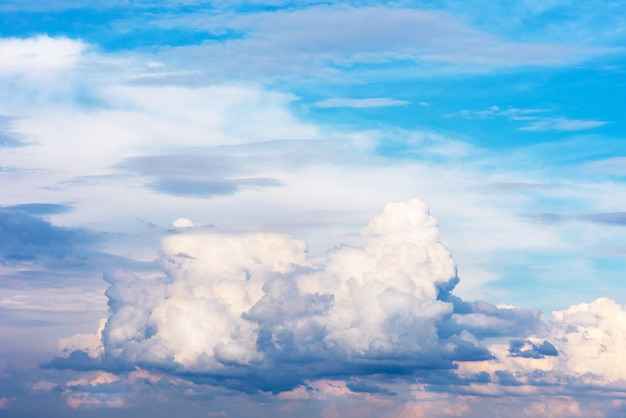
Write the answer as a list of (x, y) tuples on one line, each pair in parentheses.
[(182, 223), (43, 386)]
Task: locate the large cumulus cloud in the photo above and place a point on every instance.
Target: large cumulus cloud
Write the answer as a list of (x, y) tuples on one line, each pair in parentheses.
[(580, 350), (254, 312)]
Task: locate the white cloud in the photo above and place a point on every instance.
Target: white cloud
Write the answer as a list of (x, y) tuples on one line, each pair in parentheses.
[(513, 113), (254, 300), (229, 302), (559, 407), (615, 166), (182, 223), (250, 299), (66, 299), (588, 343), (562, 124), (593, 338), (39, 56), (533, 119), (360, 103), (88, 343), (311, 39), (258, 126)]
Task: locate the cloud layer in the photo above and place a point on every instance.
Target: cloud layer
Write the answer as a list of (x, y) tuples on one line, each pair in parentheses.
[(254, 313)]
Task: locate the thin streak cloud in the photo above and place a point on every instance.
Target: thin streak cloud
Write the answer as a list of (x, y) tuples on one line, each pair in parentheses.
[(360, 103)]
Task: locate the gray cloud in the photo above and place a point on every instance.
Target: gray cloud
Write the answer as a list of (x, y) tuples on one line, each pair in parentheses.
[(42, 208), (359, 385), (611, 218), (250, 312), (195, 175), (49, 255), (548, 218), (606, 218), (275, 42), (529, 349), (24, 237), (208, 188), (484, 319), (225, 170)]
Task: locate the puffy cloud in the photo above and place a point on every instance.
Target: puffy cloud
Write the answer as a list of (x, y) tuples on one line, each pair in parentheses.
[(94, 379), (256, 300), (529, 349), (559, 407), (88, 343), (443, 408), (182, 223), (253, 311), (87, 391), (581, 348), (593, 337), (43, 385), (78, 400)]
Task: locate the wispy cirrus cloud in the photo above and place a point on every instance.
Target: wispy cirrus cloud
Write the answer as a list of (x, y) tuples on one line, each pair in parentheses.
[(608, 218), (512, 113), (533, 119), (8, 136), (562, 124), (378, 36), (615, 166), (361, 103), (41, 208)]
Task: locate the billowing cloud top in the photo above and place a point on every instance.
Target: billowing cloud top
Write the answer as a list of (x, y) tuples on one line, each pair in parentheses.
[(253, 312)]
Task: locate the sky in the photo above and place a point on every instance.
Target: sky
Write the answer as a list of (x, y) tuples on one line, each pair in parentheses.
[(270, 208)]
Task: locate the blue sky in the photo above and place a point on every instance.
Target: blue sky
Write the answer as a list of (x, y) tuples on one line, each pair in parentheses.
[(275, 208)]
